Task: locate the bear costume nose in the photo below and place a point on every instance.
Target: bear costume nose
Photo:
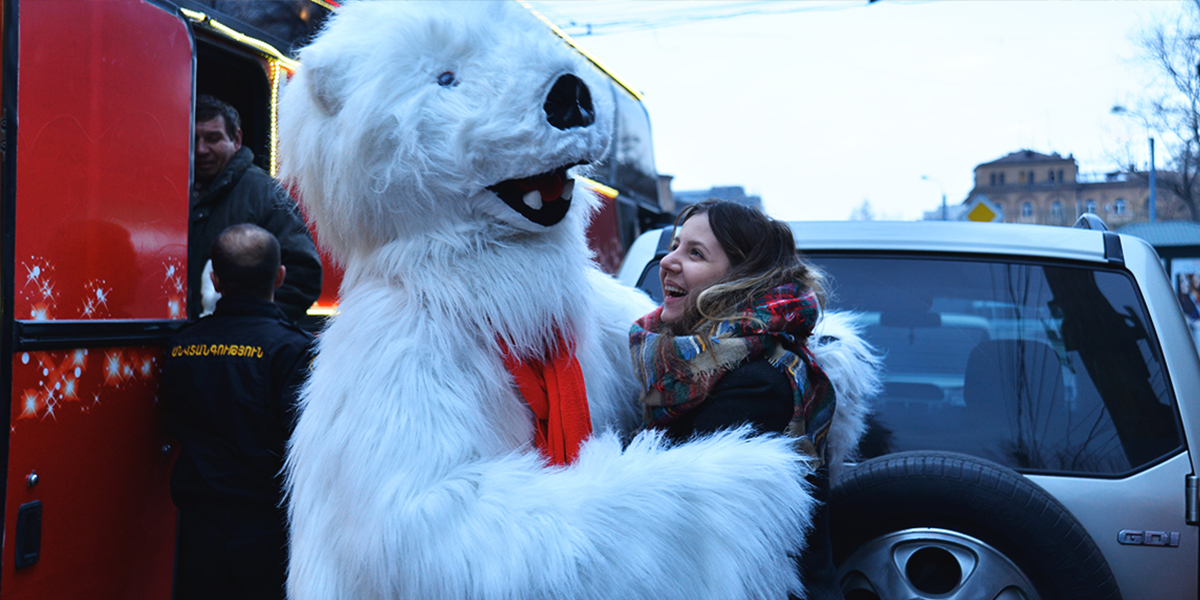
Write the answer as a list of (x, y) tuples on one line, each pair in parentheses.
[(569, 103)]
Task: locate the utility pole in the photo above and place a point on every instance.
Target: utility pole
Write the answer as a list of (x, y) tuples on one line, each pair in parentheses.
[(1153, 209), (944, 212), (1121, 110)]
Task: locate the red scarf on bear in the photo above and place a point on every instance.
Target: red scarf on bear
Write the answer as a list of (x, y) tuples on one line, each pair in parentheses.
[(553, 387)]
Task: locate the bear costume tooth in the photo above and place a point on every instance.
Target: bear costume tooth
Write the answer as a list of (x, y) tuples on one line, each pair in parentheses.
[(533, 200)]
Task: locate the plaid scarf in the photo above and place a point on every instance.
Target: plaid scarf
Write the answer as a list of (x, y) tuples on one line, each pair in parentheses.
[(678, 372)]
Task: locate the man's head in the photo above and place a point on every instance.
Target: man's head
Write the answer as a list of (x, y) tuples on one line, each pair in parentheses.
[(218, 137), (245, 260)]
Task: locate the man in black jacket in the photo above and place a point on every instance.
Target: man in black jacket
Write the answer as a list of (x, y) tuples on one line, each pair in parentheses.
[(229, 391), (229, 189)]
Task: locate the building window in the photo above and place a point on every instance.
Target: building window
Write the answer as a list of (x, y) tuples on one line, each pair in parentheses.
[(1022, 177), (1051, 175), (1031, 178), (1119, 207), (1060, 175), (1027, 210), (1000, 176), (1089, 206), (992, 179), (1056, 210)]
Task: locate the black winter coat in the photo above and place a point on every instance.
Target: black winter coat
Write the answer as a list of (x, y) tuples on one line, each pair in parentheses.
[(244, 193), (229, 388), (758, 394)]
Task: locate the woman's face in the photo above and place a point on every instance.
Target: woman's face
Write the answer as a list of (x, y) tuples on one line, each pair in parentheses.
[(696, 261)]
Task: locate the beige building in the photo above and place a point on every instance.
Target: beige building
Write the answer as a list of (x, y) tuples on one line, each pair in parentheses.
[(1030, 187)]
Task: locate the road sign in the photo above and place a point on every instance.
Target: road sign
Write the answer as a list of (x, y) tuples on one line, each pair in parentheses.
[(982, 210)]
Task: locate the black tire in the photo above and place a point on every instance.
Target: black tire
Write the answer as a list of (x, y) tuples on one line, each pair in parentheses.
[(924, 497)]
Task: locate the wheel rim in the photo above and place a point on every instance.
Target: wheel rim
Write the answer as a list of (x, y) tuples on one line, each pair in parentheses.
[(926, 563)]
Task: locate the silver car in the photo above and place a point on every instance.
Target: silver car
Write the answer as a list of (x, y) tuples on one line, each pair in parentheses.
[(1032, 440)]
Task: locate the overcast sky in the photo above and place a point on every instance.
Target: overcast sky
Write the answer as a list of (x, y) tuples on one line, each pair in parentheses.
[(820, 105)]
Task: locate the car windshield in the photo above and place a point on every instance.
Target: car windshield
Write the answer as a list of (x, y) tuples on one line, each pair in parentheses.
[(1040, 367)]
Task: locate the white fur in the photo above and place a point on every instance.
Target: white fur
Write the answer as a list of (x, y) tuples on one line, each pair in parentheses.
[(411, 472), (208, 293), (853, 367)]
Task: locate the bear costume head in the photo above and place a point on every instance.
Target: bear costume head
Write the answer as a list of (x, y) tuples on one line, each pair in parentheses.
[(463, 114)]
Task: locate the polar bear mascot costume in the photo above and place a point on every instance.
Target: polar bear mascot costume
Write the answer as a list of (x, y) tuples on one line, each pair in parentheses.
[(434, 145)]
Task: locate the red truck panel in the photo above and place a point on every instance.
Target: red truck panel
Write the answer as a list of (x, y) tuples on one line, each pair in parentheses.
[(104, 131), (85, 422), (103, 161)]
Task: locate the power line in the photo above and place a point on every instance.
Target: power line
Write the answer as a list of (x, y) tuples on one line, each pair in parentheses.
[(592, 18)]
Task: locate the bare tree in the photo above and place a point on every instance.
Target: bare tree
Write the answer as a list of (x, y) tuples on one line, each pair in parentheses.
[(1172, 107), (863, 213)]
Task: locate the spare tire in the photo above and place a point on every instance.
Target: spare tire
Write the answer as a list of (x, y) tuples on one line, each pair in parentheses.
[(946, 525)]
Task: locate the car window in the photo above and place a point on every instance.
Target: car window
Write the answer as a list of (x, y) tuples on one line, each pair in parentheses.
[(1040, 367), (650, 282)]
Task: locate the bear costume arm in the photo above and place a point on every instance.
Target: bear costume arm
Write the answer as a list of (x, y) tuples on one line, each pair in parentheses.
[(403, 485)]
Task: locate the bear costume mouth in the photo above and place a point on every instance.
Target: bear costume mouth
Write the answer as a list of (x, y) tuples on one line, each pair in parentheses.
[(543, 199)]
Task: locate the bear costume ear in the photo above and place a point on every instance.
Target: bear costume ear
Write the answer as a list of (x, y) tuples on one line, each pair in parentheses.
[(324, 83)]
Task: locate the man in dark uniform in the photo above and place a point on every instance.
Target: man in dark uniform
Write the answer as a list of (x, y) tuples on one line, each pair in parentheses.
[(228, 190), (230, 382)]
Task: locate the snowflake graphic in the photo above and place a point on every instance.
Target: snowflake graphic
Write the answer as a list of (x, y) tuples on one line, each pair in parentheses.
[(174, 286), (58, 375)]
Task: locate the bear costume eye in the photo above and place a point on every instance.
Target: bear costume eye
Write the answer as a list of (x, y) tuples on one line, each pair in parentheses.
[(446, 79)]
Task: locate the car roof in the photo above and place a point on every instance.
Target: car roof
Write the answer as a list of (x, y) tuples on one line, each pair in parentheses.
[(941, 237), (951, 236)]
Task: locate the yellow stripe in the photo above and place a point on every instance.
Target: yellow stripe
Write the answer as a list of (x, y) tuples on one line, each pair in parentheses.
[(599, 188), (255, 43), (276, 83), (566, 38)]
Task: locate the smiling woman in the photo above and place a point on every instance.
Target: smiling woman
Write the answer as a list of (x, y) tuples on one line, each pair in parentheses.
[(696, 261), (723, 254), (728, 347)]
